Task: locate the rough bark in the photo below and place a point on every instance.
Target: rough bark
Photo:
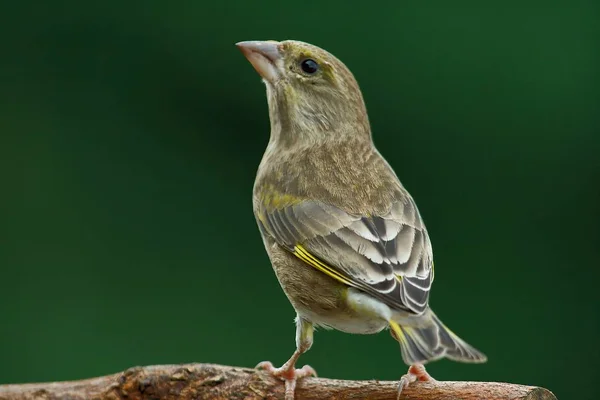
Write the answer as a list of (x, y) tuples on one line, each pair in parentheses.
[(209, 381)]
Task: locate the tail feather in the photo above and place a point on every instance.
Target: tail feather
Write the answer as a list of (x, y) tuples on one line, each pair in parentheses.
[(431, 341)]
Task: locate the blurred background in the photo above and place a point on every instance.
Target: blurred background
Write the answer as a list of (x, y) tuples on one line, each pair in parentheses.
[(130, 134)]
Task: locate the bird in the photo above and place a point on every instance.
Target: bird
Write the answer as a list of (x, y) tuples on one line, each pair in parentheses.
[(346, 240)]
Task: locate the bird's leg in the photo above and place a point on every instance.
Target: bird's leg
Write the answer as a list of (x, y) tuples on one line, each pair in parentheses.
[(288, 372), (416, 372)]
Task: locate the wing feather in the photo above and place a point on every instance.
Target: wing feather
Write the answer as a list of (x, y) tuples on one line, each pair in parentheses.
[(388, 256)]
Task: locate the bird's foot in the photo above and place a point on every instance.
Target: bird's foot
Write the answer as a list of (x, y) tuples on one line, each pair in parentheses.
[(289, 374), (415, 373)]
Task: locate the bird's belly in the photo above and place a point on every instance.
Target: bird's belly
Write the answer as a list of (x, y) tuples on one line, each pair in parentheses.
[(323, 300), (357, 324), (362, 314)]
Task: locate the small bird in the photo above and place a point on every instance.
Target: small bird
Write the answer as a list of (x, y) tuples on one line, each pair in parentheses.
[(345, 239)]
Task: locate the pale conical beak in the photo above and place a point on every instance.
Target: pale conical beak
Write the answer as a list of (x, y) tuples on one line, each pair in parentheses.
[(265, 57)]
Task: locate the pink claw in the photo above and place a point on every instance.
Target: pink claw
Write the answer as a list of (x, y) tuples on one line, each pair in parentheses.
[(289, 375), (415, 373)]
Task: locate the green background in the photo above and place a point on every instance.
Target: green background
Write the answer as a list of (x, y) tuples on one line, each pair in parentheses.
[(131, 132)]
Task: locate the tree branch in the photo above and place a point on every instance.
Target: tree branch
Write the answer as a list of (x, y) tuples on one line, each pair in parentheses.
[(209, 381)]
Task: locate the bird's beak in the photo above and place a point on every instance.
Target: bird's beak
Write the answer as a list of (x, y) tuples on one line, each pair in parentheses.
[(265, 57)]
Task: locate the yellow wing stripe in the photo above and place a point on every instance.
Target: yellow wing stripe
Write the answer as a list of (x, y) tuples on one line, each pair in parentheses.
[(397, 331), (308, 258)]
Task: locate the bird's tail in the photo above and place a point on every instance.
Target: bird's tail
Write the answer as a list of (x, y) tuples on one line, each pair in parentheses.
[(432, 340)]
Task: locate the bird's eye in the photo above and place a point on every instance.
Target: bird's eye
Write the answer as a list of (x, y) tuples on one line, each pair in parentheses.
[(309, 66)]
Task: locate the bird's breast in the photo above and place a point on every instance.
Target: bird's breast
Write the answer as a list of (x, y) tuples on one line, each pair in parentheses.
[(354, 178)]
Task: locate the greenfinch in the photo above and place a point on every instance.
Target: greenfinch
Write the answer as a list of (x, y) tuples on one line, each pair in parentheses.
[(345, 238)]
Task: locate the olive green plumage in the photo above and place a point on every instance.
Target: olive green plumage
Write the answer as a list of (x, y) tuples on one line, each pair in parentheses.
[(346, 240)]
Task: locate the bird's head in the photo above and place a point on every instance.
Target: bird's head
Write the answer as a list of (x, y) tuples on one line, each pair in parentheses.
[(311, 94)]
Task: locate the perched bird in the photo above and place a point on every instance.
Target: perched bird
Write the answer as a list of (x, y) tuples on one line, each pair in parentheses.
[(346, 240)]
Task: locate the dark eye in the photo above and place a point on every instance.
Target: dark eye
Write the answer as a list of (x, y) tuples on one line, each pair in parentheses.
[(309, 66)]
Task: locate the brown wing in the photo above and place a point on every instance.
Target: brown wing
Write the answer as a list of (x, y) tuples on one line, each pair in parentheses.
[(388, 256)]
